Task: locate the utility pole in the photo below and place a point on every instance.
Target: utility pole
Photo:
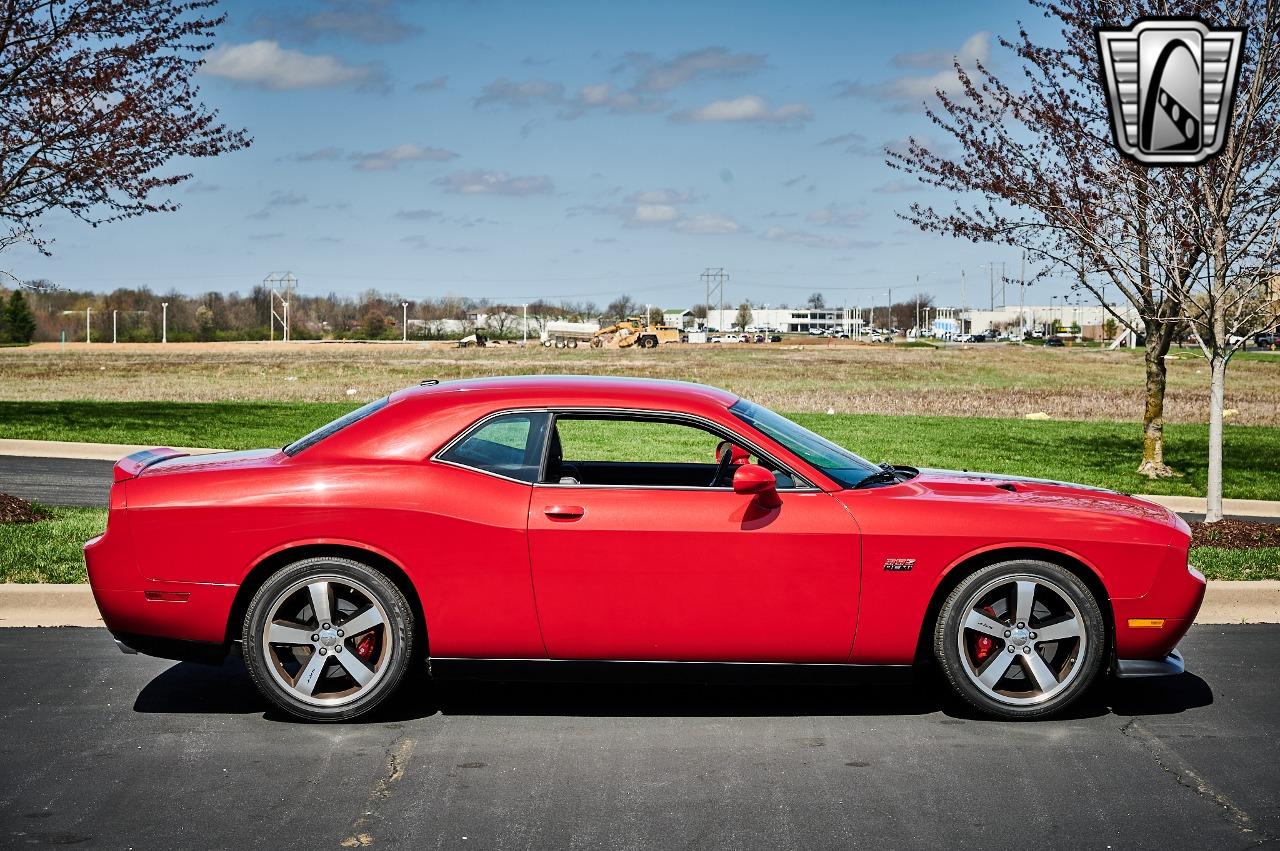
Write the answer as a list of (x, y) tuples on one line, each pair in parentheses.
[(404, 321), (964, 301), (713, 279), (917, 306), (88, 331), (1004, 279), (1022, 297), (164, 321), (113, 325), (526, 324), (991, 285)]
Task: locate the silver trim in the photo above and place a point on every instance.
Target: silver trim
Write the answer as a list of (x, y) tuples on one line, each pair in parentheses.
[(124, 648), (1169, 666)]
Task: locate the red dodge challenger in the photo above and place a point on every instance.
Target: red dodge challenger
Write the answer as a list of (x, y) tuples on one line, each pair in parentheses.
[(607, 519)]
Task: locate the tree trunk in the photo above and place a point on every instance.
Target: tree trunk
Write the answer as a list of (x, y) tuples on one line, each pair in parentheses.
[(1217, 394), (1153, 465)]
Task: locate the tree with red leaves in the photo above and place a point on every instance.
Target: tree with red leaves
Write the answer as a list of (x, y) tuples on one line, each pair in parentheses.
[(96, 97)]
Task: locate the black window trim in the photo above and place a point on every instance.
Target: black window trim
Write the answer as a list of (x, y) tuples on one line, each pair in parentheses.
[(435, 457), (803, 485), (681, 417)]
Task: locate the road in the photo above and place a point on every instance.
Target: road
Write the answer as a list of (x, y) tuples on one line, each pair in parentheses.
[(66, 481), (125, 751)]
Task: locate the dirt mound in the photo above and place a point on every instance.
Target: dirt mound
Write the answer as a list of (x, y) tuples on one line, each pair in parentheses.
[(14, 510), (1235, 535)]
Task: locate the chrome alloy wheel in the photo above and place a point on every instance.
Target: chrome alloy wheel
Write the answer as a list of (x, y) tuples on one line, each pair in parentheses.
[(1022, 640), (326, 641)]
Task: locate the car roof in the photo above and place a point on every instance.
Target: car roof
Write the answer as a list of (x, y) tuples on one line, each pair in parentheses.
[(552, 390)]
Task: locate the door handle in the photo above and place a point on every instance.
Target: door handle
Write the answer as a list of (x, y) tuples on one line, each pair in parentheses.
[(564, 512)]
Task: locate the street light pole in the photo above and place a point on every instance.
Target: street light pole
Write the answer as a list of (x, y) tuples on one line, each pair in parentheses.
[(88, 332), (164, 321), (525, 307), (404, 321)]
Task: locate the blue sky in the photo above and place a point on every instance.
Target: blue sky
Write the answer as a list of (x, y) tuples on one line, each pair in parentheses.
[(513, 149)]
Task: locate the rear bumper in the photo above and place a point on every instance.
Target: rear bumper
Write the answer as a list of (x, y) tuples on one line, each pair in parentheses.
[(206, 652), (1171, 665)]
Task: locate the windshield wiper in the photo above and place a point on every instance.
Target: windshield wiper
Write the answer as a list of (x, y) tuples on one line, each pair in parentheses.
[(884, 477)]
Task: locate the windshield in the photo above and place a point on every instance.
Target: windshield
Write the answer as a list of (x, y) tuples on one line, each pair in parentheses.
[(337, 425), (836, 462)]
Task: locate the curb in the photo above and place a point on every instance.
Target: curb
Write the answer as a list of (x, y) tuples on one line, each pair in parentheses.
[(81, 451), (72, 605), (1196, 505)]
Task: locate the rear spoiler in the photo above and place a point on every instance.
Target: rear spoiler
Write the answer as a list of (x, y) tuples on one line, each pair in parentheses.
[(132, 466)]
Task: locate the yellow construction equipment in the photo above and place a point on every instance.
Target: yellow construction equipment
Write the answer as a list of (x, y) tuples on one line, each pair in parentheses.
[(634, 331)]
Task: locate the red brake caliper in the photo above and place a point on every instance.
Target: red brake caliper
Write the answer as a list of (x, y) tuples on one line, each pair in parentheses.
[(984, 646), (364, 648)]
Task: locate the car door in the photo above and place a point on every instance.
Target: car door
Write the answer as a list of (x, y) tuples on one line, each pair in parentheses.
[(646, 563)]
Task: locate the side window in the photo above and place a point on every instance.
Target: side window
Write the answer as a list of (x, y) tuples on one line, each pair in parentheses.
[(509, 445), (618, 451)]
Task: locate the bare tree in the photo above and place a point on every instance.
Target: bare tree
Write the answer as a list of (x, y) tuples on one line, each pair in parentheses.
[(743, 319), (1230, 211), (1039, 154), (96, 97)]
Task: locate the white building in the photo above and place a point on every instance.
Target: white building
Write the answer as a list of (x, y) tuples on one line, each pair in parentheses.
[(798, 320), (1089, 317)]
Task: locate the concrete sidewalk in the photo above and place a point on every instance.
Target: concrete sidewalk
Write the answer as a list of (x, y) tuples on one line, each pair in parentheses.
[(72, 605), (116, 451)]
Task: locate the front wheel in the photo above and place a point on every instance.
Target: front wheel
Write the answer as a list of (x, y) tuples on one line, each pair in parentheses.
[(328, 638), (1022, 639)]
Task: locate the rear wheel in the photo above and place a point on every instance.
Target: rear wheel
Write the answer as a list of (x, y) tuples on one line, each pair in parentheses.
[(328, 638), (1022, 639)]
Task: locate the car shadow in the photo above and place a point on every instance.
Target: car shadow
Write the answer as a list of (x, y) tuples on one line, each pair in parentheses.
[(190, 688)]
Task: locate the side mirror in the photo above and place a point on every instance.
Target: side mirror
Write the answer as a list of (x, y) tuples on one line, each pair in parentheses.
[(756, 481)]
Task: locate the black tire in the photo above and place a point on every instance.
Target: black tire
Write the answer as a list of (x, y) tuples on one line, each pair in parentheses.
[(393, 635), (1017, 693)]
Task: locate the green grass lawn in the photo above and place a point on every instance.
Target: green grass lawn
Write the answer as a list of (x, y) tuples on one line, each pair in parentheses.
[(1095, 453), (50, 551)]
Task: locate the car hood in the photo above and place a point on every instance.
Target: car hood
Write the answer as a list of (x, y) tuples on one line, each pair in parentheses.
[(1045, 493)]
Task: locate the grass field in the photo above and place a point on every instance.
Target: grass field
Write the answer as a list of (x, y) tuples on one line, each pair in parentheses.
[(50, 551), (1042, 448), (987, 380)]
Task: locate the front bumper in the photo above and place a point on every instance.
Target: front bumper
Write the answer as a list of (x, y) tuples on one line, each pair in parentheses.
[(1169, 666)]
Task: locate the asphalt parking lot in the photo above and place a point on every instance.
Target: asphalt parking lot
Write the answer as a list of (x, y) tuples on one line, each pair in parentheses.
[(105, 750)]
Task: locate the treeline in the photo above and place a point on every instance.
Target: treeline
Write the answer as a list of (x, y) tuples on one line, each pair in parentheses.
[(138, 313)]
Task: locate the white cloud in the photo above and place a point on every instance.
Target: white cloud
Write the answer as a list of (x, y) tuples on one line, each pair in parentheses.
[(435, 84), (976, 47), (708, 224), (517, 95), (914, 88), (748, 108), (646, 214), (693, 65), (399, 155), (267, 65), (662, 208), (809, 240), (833, 217), (477, 182)]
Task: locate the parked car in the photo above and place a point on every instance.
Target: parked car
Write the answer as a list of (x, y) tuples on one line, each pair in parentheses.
[(1265, 340), (727, 338), (775, 338), (471, 520), (1054, 342), (817, 332)]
